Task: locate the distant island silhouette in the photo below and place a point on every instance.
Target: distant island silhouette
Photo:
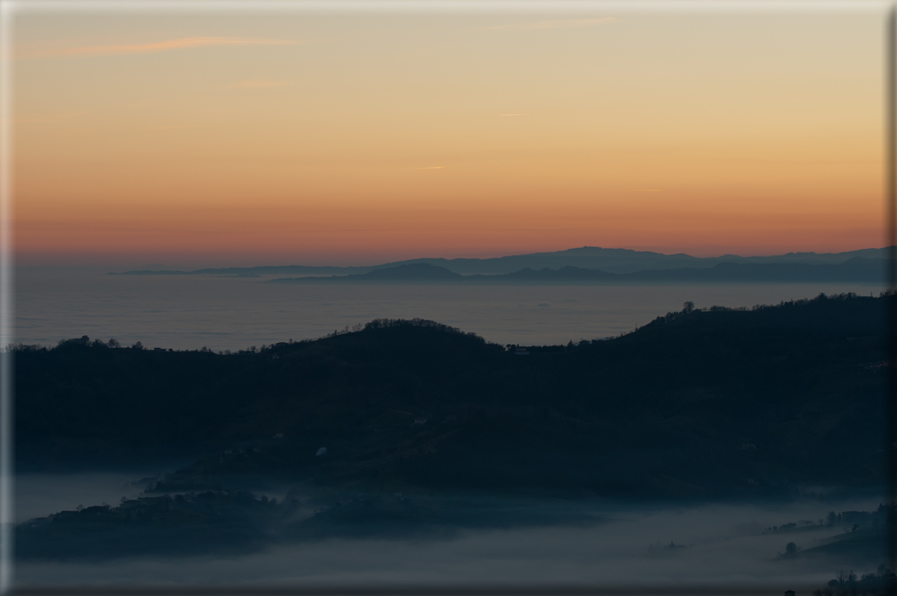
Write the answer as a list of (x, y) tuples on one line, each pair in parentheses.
[(857, 269), (582, 265)]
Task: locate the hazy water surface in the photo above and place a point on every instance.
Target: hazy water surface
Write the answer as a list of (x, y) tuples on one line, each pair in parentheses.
[(234, 313)]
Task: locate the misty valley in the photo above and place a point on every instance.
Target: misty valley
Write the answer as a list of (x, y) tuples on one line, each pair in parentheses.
[(410, 432)]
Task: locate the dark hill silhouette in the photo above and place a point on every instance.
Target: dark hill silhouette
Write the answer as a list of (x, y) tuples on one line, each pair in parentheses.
[(696, 403)]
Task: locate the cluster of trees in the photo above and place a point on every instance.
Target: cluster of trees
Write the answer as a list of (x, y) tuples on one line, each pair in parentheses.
[(416, 322), (872, 584), (79, 342), (853, 519), (689, 306)]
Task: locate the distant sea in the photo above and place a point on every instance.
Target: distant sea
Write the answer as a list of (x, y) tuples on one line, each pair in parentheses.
[(222, 313)]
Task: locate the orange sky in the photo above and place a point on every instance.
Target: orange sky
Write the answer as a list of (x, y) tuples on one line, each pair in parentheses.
[(217, 138)]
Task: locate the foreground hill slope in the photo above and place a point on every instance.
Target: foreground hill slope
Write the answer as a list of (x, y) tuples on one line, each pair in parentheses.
[(696, 403)]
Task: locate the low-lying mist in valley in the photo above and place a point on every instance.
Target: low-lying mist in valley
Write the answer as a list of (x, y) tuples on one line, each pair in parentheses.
[(502, 540)]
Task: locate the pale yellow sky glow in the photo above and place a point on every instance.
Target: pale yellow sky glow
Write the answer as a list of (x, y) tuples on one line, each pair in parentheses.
[(226, 138), (167, 46), (565, 24), (256, 84)]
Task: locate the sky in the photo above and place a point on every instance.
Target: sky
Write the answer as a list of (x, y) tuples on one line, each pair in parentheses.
[(211, 137)]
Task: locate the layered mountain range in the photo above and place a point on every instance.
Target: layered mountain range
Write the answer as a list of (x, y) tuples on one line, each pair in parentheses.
[(588, 265)]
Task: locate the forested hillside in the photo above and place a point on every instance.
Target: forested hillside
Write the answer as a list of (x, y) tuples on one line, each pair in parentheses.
[(696, 403)]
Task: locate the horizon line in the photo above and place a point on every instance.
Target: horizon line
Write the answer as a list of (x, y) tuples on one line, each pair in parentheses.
[(164, 267)]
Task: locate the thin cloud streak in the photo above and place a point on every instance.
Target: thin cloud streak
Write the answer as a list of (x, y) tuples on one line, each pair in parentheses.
[(167, 46), (434, 168), (563, 24)]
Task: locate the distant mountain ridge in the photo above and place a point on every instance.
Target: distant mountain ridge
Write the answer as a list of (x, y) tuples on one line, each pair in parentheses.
[(857, 269), (609, 260)]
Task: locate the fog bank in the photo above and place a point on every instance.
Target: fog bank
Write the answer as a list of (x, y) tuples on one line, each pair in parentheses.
[(715, 544)]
